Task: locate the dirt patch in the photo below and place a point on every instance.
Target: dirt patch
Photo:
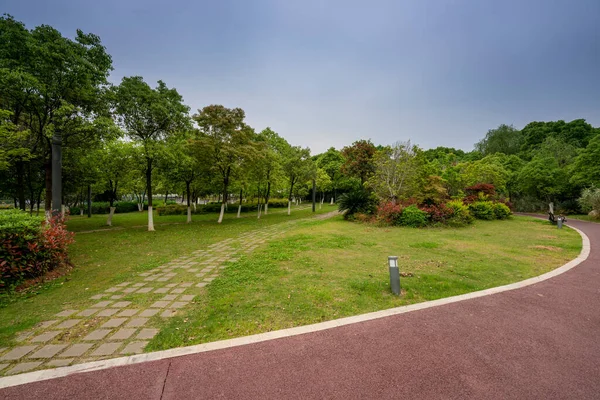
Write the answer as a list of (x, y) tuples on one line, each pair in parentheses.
[(549, 248), (47, 277)]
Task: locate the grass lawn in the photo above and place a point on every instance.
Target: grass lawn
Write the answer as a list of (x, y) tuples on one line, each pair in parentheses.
[(112, 256), (583, 217), (329, 269)]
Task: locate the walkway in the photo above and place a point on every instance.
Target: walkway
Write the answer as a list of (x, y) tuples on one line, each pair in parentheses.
[(541, 341)]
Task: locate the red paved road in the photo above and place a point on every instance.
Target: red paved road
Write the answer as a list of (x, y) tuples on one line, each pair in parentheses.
[(539, 342)]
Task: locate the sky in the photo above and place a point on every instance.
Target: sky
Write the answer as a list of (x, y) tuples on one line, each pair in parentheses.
[(328, 73)]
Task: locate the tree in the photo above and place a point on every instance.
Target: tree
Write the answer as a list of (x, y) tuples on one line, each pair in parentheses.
[(272, 159), (297, 167), (116, 165), (586, 166), (227, 139), (149, 116), (359, 160), (504, 139), (331, 162)]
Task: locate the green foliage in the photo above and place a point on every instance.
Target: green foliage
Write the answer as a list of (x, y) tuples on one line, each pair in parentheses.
[(359, 160), (501, 211), (103, 207), (586, 167), (413, 217), (460, 213), (504, 139), (357, 201), (482, 210), (590, 199), (17, 222)]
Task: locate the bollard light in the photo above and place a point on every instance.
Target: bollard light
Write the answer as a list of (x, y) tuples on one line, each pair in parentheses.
[(394, 274)]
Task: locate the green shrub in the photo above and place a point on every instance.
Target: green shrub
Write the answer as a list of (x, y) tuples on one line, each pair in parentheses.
[(413, 217), (482, 210), (357, 201), (460, 213), (590, 199), (501, 211)]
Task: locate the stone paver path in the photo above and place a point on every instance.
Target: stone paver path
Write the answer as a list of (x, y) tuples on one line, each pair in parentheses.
[(120, 320)]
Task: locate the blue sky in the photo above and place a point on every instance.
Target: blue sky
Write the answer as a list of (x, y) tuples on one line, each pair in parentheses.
[(327, 73)]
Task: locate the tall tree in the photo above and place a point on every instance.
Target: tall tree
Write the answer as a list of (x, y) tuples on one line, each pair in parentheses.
[(297, 167), (359, 160), (504, 139), (149, 116), (331, 162)]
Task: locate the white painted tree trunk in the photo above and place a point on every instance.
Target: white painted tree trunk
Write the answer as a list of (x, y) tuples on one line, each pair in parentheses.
[(331, 201), (110, 216), (289, 207), (259, 210), (140, 207), (81, 211), (189, 214), (221, 214), (150, 220), (266, 208), (63, 209), (239, 210), (194, 204)]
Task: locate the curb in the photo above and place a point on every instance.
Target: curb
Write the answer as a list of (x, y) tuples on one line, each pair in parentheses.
[(43, 375)]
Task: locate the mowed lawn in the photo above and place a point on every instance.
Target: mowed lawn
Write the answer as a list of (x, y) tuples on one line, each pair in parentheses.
[(329, 269)]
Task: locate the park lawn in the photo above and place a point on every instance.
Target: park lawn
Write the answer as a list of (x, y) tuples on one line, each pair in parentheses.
[(108, 257), (583, 217), (329, 269)]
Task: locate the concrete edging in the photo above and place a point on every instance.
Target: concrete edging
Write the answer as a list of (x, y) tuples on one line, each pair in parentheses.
[(261, 337)]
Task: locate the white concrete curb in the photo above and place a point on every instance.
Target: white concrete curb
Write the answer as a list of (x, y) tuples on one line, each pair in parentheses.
[(261, 337)]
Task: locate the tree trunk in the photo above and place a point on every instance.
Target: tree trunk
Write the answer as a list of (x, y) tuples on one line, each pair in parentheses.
[(224, 200), (267, 196), (290, 198), (240, 205), (21, 184), (259, 210), (149, 191), (110, 216), (189, 201), (48, 181), (222, 212)]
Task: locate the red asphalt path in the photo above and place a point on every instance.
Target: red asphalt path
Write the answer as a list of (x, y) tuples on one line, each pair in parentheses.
[(537, 342)]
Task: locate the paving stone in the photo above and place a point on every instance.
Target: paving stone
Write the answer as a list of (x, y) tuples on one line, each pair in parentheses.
[(107, 349), (170, 285), (163, 279), (170, 297), (112, 289), (46, 336), (127, 313), (124, 284), (101, 304), (3, 349), (76, 350), (122, 334), (147, 334), (209, 279), (186, 284), (149, 312), (97, 297), (201, 284), (48, 351), (116, 297), (145, 290), (137, 322), (17, 352), (113, 322), (98, 334), (23, 336), (2, 366), (150, 278), (179, 304), (178, 291), (193, 270), (107, 312), (187, 297), (160, 304), (134, 348), (199, 275), (130, 290), (162, 290), (69, 323), (66, 313), (88, 312), (60, 363), (22, 367), (168, 313), (145, 274), (121, 304), (137, 285)]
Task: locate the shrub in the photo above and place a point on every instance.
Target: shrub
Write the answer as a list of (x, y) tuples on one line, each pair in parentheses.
[(501, 211), (440, 213), (460, 213), (479, 192), (590, 199), (103, 207), (389, 213), (413, 217), (357, 201), (482, 210)]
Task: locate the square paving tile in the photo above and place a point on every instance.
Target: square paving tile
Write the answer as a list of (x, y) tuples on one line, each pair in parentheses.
[(168, 313), (145, 290), (108, 312), (46, 324), (137, 322), (112, 289), (179, 304), (113, 322), (122, 334), (116, 297), (145, 274), (22, 367), (97, 297), (171, 285), (163, 279), (121, 304), (76, 350), (98, 334), (67, 324), (124, 284), (2, 366), (48, 351), (101, 304), (147, 334), (160, 304), (138, 284), (66, 313), (127, 313), (149, 312), (134, 348), (17, 352), (60, 363), (130, 290), (170, 297), (201, 284), (186, 284), (46, 336), (162, 290), (88, 312), (187, 297), (150, 278), (106, 349), (178, 291)]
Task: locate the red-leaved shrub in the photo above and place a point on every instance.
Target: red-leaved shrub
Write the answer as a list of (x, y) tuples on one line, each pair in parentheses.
[(389, 213), (439, 213)]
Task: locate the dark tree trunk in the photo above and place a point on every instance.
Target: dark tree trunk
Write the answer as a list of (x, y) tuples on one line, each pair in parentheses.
[(20, 184), (48, 180)]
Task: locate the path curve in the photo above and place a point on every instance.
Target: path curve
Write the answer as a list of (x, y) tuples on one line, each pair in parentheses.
[(540, 341)]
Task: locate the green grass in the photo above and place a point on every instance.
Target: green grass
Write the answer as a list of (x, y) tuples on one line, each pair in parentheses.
[(583, 217), (109, 257), (330, 269)]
